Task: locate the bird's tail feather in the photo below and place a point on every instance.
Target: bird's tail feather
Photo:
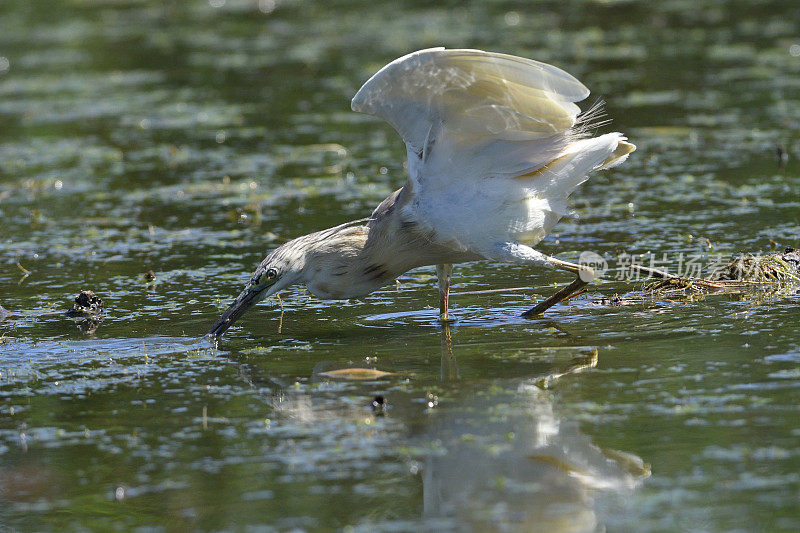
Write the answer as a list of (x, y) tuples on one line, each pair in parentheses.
[(572, 166), (620, 154)]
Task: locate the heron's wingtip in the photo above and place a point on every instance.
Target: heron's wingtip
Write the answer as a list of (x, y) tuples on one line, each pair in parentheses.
[(360, 102)]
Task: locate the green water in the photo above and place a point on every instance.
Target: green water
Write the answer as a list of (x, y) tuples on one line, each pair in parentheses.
[(190, 138)]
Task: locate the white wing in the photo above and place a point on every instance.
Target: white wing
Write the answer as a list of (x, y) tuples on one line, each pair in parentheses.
[(491, 153), (480, 110)]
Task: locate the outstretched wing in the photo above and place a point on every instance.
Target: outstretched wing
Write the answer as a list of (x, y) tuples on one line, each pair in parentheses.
[(470, 113)]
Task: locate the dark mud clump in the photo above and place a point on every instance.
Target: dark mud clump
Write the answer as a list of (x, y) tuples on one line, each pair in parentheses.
[(86, 304), (378, 405)]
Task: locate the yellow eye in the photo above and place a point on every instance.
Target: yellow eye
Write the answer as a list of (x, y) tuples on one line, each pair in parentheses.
[(271, 273)]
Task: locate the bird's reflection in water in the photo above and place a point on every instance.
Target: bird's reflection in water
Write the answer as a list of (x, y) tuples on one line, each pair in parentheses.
[(449, 364), (497, 456), (507, 461)]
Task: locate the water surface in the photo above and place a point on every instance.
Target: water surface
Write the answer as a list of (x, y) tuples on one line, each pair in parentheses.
[(190, 138)]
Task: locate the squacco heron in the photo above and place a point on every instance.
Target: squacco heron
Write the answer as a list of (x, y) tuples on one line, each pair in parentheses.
[(495, 146)]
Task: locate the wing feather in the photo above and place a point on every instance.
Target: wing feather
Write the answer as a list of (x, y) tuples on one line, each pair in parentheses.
[(477, 96)]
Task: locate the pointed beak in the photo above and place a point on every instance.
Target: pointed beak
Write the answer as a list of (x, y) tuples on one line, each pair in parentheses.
[(246, 299)]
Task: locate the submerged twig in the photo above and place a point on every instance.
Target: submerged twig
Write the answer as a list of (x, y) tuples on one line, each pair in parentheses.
[(653, 272), (25, 273), (280, 320)]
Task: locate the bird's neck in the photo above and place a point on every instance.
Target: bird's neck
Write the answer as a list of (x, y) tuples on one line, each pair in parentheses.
[(355, 261)]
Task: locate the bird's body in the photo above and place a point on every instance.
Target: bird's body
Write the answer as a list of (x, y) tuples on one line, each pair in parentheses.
[(495, 147), (356, 258)]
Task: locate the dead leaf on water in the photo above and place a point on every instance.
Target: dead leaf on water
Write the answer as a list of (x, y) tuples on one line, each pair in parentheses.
[(357, 373)]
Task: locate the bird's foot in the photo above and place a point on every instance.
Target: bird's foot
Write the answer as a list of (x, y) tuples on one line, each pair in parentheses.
[(446, 318)]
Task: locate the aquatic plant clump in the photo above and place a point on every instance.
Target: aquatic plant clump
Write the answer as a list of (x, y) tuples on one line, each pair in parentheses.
[(783, 267), (773, 273)]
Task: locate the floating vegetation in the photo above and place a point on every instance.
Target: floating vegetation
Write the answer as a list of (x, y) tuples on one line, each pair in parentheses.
[(679, 287), (751, 275), (783, 268)]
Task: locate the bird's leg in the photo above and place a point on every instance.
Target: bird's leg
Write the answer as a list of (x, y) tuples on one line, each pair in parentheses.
[(584, 273), (519, 253), (443, 272)]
